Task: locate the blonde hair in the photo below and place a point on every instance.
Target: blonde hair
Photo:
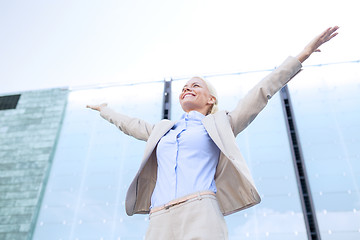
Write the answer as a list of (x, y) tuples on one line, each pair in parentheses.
[(213, 93)]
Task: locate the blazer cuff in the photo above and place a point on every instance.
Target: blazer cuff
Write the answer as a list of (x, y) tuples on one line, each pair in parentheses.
[(291, 63)]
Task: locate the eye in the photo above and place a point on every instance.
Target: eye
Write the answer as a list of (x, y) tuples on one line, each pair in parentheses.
[(196, 85)]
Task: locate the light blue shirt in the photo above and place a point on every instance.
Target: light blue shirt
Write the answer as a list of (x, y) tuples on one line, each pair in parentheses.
[(187, 158)]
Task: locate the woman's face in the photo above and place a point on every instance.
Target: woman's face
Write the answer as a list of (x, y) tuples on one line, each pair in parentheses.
[(196, 96)]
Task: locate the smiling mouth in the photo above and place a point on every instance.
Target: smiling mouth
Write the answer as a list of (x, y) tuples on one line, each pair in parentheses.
[(188, 94)]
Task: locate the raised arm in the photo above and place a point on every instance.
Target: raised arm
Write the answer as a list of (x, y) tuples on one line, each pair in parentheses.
[(134, 127), (256, 99)]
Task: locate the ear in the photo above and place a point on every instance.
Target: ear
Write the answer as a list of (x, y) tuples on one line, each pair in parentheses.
[(212, 100)]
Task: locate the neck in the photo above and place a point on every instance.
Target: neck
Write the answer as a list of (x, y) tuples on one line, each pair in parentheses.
[(202, 111)]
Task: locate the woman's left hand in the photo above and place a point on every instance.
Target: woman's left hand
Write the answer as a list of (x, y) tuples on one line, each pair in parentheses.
[(314, 45)]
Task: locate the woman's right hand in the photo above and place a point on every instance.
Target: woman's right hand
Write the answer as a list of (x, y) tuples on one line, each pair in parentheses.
[(97, 107)]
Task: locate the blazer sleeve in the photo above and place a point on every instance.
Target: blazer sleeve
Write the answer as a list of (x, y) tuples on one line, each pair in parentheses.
[(134, 127), (256, 99)]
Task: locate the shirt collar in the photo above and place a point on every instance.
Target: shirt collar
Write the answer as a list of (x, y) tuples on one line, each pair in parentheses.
[(193, 115)]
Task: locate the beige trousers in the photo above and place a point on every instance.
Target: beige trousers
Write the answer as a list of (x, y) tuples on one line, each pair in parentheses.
[(199, 218)]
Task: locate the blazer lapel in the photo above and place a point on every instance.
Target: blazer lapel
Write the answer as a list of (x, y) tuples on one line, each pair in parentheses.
[(158, 132), (210, 126)]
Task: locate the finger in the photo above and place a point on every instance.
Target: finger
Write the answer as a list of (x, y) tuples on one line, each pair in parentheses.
[(328, 32), (330, 37), (325, 33), (93, 107), (332, 31), (333, 35)]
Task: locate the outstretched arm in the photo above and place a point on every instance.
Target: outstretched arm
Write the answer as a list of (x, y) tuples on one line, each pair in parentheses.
[(134, 127), (256, 99), (314, 45)]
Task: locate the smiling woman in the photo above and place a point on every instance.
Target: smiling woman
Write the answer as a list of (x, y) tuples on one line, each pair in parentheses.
[(198, 95), (192, 173)]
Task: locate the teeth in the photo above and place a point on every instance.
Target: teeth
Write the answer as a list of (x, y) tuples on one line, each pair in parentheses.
[(187, 95)]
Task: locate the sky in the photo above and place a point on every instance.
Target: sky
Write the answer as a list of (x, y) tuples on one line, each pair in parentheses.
[(76, 44)]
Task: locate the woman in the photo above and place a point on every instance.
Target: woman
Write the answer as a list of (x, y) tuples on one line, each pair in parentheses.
[(192, 172)]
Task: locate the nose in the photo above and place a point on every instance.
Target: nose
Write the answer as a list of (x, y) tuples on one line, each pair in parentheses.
[(187, 89)]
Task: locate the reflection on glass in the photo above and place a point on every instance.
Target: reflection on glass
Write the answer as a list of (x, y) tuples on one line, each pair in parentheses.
[(93, 166), (264, 144), (326, 104)]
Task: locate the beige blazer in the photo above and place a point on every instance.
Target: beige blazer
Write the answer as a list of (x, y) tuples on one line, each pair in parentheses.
[(235, 187)]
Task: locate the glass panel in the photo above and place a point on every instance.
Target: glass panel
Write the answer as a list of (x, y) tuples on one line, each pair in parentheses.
[(93, 166), (326, 106), (265, 147)]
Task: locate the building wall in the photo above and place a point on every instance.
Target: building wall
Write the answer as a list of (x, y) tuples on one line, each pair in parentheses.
[(28, 135)]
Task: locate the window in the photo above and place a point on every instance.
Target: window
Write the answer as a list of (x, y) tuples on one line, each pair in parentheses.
[(9, 102)]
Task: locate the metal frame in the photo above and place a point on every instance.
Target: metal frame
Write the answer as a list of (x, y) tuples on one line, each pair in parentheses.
[(307, 204), (166, 107)]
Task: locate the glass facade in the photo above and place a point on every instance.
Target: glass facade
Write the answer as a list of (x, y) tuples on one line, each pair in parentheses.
[(94, 162), (327, 110), (93, 166)]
